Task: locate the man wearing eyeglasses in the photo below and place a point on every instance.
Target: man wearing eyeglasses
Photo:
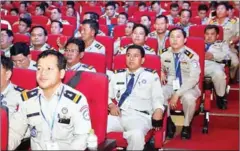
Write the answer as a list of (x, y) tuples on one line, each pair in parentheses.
[(21, 57)]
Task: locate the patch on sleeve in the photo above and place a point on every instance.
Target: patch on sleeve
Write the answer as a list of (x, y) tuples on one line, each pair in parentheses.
[(150, 70), (85, 112), (72, 96), (87, 66), (19, 89), (29, 94), (161, 51), (195, 63), (233, 20), (189, 54), (120, 70)]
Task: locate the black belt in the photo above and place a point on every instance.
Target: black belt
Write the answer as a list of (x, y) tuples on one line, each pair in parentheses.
[(145, 112)]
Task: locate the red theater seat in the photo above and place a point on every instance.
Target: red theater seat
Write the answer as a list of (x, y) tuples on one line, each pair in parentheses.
[(10, 19), (198, 31), (119, 31), (34, 54), (97, 60), (24, 78), (108, 43), (40, 20), (4, 127), (21, 38), (151, 42), (68, 30), (71, 20)]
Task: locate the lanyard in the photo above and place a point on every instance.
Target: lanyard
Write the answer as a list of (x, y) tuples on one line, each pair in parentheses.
[(78, 67), (50, 125), (135, 82)]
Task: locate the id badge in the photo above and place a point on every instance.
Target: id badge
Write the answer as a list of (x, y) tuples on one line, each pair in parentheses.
[(176, 84), (52, 145)]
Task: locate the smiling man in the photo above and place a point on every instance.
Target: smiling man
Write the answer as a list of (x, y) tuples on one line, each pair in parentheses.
[(56, 114), (139, 98)]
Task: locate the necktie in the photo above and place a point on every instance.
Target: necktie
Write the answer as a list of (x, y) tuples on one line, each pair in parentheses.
[(178, 68), (207, 46), (128, 90)]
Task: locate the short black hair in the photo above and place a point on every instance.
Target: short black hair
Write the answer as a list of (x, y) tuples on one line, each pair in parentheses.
[(230, 6), (42, 7), (140, 48), (39, 26), (162, 16), (215, 27), (27, 21), (59, 23), (147, 17), (186, 10), (79, 42), (203, 7), (189, 3), (9, 32), (213, 4), (71, 3), (142, 4), (62, 62), (20, 48), (178, 28), (154, 2), (15, 10), (142, 26), (6, 63), (225, 4), (93, 25), (58, 9), (174, 5), (125, 14), (110, 3), (24, 2), (93, 15)]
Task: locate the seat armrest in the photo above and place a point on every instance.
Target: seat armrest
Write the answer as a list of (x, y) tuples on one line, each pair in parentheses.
[(107, 145)]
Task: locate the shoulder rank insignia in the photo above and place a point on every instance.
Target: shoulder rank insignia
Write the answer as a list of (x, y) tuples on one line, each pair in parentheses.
[(98, 46), (150, 70), (189, 54), (29, 94), (161, 51), (19, 89), (87, 66), (72, 96), (120, 70), (233, 21)]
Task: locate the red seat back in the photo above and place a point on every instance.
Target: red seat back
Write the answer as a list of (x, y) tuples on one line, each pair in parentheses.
[(4, 127), (52, 40), (119, 31), (34, 54), (24, 78), (68, 30), (95, 87), (40, 20), (97, 60), (10, 19), (151, 42), (96, 9), (198, 31), (108, 43), (151, 61), (21, 38), (4, 26), (103, 28), (71, 20)]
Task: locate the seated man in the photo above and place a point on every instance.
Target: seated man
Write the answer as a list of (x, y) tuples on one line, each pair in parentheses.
[(56, 114), (110, 12), (202, 13), (89, 31), (122, 18), (174, 11), (6, 41), (146, 21), (74, 52), (24, 26), (139, 36), (21, 57), (180, 76), (39, 38), (184, 22), (56, 14), (156, 7), (216, 51), (161, 31), (139, 97), (10, 93), (56, 27)]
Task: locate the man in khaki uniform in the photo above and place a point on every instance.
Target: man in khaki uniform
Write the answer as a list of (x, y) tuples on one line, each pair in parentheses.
[(231, 33), (161, 32), (180, 74), (110, 12), (139, 37), (6, 41), (216, 52), (139, 97)]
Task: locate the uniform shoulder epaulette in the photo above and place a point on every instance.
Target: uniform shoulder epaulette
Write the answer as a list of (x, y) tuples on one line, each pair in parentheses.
[(148, 48), (219, 41), (87, 66), (212, 21), (97, 45), (72, 96), (161, 51), (150, 70), (29, 94), (233, 20), (120, 70), (35, 65), (152, 34), (188, 53), (19, 89)]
